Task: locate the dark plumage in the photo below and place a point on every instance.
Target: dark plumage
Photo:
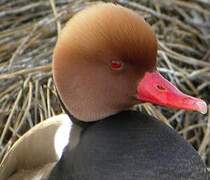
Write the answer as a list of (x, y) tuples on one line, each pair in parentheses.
[(130, 146)]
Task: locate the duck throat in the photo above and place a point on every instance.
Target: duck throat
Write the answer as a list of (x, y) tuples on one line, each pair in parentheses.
[(84, 110)]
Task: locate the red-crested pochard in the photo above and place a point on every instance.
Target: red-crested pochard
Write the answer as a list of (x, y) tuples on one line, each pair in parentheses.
[(103, 64)]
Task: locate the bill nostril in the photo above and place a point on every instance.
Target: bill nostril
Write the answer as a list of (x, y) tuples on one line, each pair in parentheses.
[(161, 88)]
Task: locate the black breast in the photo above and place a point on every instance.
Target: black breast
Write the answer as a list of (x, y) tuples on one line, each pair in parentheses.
[(130, 146)]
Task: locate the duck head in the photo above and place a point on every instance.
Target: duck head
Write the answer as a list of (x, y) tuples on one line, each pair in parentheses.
[(105, 62)]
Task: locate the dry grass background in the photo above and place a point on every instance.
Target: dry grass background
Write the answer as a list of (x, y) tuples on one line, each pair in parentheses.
[(28, 31)]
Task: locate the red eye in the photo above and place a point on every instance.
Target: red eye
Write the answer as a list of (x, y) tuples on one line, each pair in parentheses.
[(116, 65)]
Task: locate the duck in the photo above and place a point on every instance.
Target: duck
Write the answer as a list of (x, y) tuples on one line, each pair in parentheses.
[(104, 63)]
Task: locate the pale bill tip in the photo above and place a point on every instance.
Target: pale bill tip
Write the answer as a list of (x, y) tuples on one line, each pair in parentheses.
[(202, 107)]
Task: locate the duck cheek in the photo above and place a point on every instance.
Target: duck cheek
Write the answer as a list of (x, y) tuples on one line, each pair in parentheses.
[(156, 89)]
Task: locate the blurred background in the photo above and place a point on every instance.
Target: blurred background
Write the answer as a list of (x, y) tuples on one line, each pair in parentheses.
[(28, 32)]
